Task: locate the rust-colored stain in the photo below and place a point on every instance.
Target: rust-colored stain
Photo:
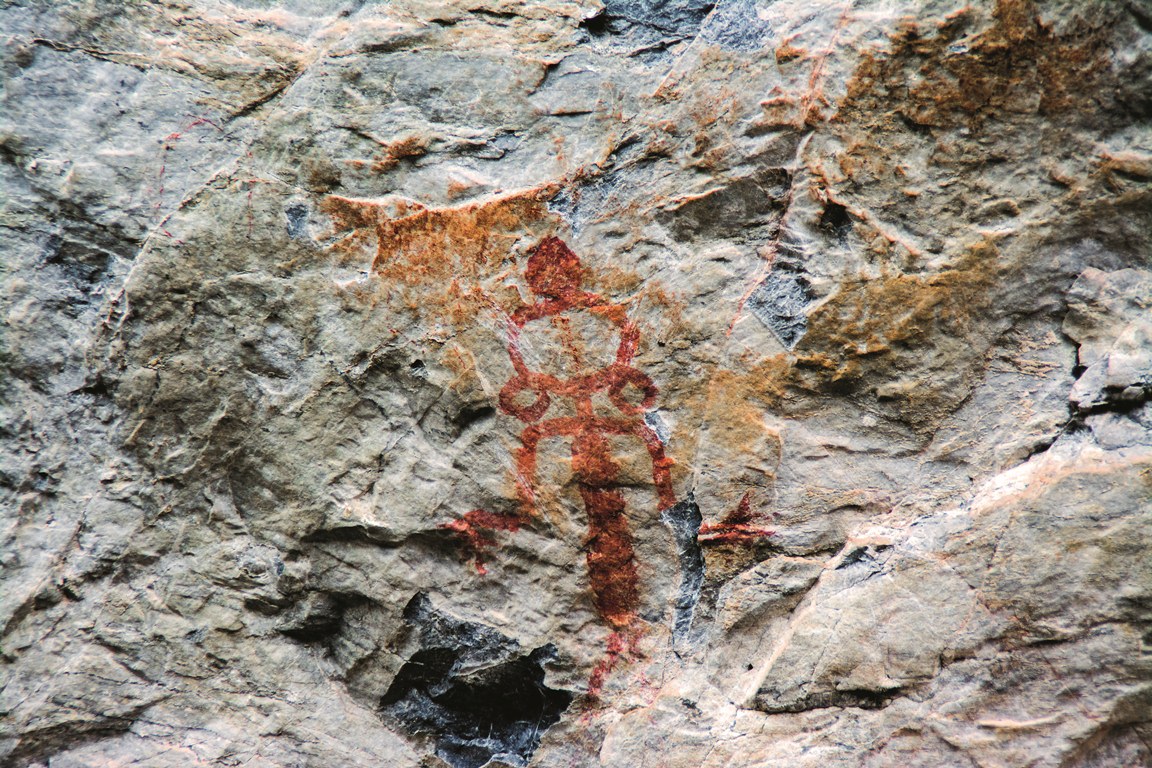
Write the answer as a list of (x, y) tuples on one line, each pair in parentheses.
[(431, 262), (908, 335), (869, 333), (1017, 66)]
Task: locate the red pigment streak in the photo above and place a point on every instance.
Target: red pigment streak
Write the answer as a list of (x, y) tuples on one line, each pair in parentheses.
[(555, 275), (475, 531), (737, 527), (170, 140), (757, 279)]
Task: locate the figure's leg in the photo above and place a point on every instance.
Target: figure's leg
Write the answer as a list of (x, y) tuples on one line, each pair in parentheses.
[(661, 464), (610, 550), (525, 457), (611, 555), (612, 575), (618, 644)]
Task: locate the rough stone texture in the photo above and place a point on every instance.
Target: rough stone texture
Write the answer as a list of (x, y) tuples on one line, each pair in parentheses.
[(865, 286)]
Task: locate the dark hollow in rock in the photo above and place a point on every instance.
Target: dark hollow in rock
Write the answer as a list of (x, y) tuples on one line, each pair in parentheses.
[(837, 220), (474, 690), (319, 617), (858, 698)]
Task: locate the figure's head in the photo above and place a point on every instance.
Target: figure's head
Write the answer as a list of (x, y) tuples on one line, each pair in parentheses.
[(553, 269)]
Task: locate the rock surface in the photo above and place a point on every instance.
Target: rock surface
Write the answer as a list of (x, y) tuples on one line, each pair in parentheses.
[(576, 383)]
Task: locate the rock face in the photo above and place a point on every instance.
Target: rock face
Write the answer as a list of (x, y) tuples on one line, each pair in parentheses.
[(576, 383)]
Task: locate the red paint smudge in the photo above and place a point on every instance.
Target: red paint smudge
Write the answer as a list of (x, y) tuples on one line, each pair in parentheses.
[(617, 646), (475, 530), (737, 527)]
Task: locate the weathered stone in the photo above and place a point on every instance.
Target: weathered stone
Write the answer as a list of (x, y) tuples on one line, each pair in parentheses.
[(565, 383)]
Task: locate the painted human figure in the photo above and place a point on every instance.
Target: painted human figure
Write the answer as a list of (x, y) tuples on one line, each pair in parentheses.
[(554, 273), (555, 276)]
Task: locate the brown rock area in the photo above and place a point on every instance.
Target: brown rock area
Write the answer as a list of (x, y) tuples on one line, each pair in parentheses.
[(576, 383)]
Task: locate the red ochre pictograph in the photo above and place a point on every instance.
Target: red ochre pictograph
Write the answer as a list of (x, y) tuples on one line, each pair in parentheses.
[(555, 275)]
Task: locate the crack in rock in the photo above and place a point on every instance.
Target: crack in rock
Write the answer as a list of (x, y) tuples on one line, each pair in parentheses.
[(684, 519)]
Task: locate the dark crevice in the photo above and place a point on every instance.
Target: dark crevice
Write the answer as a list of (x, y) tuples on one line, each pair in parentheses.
[(256, 104), (125, 59), (97, 388), (836, 220), (859, 555), (921, 129), (684, 519), (358, 533), (39, 746), (475, 691), (599, 25), (1143, 17), (857, 698), (320, 617), (661, 46), (1119, 400), (502, 15), (1041, 446), (1133, 176), (1042, 642), (550, 68), (468, 417)]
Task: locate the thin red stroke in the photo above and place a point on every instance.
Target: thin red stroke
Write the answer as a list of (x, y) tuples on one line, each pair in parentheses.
[(816, 78), (737, 527), (171, 139)]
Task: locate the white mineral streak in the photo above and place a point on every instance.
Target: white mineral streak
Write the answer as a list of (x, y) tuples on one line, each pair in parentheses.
[(872, 280)]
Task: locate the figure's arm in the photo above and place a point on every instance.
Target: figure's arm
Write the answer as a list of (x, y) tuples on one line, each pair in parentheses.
[(737, 527), (566, 426), (526, 471), (661, 464), (476, 529), (475, 532)]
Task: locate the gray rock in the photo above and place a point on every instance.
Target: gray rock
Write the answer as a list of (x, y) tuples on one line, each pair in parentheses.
[(570, 383)]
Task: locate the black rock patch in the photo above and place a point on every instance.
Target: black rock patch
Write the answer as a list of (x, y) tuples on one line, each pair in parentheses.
[(684, 519), (780, 302), (474, 690), (735, 25)]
